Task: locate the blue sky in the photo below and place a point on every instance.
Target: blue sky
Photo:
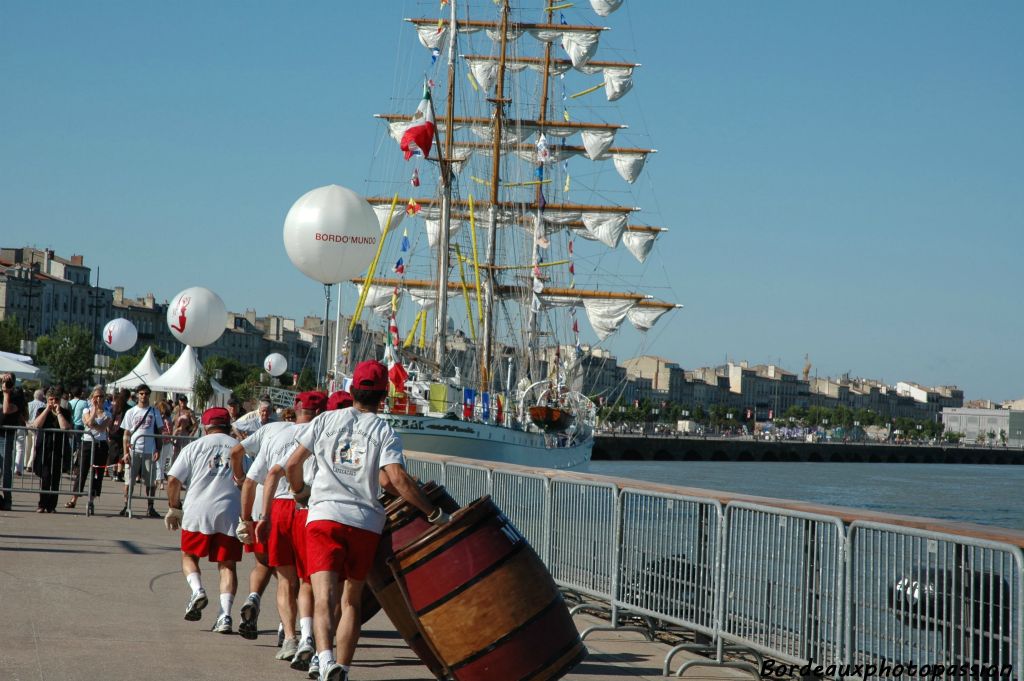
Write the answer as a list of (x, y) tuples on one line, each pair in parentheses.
[(840, 179)]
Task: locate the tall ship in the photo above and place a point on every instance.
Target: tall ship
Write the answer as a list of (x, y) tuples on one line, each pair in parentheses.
[(491, 183)]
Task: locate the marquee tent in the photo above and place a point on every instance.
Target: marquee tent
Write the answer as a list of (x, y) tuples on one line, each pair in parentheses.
[(182, 376), (146, 371), (13, 364)]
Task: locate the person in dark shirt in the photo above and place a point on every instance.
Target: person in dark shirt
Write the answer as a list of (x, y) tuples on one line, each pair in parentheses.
[(51, 448)]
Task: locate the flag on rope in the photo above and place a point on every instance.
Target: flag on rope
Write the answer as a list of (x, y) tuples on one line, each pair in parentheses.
[(415, 180), (412, 207), (419, 136), (405, 240), (400, 266)]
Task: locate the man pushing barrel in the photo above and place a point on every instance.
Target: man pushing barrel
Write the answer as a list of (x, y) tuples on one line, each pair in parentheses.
[(353, 450)]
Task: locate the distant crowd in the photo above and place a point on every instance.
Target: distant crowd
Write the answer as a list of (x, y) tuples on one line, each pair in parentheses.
[(112, 425)]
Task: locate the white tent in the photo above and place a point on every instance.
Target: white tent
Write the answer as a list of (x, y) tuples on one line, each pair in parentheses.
[(182, 376), (146, 371), (13, 364)]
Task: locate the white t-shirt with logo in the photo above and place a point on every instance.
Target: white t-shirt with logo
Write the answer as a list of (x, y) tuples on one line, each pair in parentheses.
[(258, 446), (143, 423), (280, 446), (213, 502), (350, 447)]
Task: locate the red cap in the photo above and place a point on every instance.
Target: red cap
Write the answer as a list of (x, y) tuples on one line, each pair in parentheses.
[(216, 416), (313, 400), (339, 400), (370, 375)]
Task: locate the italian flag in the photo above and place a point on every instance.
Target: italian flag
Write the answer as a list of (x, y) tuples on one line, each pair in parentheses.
[(419, 136)]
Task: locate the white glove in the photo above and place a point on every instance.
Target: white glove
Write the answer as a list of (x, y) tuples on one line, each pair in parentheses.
[(172, 521), (302, 496), (438, 517), (243, 532)]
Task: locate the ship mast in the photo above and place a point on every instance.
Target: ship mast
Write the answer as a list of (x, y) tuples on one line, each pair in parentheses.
[(533, 327), (492, 212), (441, 323)]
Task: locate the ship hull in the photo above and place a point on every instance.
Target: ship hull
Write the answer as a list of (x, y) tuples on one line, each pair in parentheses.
[(486, 442)]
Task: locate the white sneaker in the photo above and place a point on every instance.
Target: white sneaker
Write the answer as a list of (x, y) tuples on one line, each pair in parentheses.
[(247, 628), (333, 672), (194, 609), (314, 668), (222, 625), (305, 652), (288, 649)]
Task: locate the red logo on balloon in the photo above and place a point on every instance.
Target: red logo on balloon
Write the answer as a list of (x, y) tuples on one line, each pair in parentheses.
[(110, 336), (182, 315)]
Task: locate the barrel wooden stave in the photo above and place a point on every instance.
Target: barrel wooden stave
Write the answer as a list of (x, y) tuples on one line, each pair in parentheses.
[(405, 524), (502, 617)]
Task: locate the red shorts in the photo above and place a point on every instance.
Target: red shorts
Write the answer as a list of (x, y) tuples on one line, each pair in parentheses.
[(280, 547), (217, 547), (256, 546), (334, 547), (299, 543)]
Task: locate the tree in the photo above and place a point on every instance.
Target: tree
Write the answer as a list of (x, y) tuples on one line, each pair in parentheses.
[(306, 381), (67, 351), (11, 334)]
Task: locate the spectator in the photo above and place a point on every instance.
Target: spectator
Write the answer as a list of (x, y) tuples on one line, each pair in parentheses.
[(51, 448), (119, 407), (141, 424), (37, 403), (97, 421), (12, 417)]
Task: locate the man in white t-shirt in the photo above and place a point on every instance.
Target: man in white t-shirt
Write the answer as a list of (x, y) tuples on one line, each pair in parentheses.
[(254, 448), (207, 520), (284, 528), (247, 424), (351, 447), (141, 424)]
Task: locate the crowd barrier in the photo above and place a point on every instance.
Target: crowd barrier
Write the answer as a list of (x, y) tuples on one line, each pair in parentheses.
[(80, 461), (763, 588)]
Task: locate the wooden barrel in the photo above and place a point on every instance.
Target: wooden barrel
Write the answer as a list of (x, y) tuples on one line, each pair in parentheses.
[(485, 602), (405, 523)]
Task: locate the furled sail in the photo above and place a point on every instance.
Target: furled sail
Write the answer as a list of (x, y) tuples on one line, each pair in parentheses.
[(383, 211), (643, 318), (605, 7), (606, 316), (639, 243)]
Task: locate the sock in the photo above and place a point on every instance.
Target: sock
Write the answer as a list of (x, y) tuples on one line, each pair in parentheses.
[(226, 599), (306, 627), (344, 668), (326, 658), (254, 596), (194, 581)]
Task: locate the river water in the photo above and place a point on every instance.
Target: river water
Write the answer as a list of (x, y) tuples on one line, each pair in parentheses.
[(991, 495)]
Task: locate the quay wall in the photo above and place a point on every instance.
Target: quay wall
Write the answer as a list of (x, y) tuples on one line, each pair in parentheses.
[(654, 448)]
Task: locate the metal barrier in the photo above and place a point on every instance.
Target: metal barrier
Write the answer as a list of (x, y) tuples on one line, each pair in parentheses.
[(524, 500), (584, 537), (426, 470), (922, 597), (466, 483), (82, 470)]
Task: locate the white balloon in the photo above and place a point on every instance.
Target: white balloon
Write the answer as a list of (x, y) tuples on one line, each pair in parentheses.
[(331, 234), (275, 364), (197, 316), (120, 335)]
